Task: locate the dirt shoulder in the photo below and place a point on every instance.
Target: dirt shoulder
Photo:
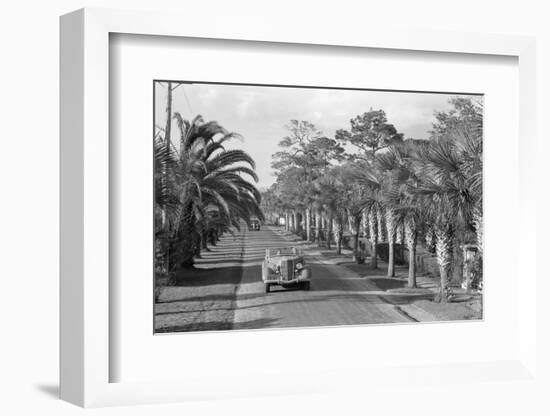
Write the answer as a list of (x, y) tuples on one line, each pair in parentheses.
[(418, 303), (204, 301), (204, 297)]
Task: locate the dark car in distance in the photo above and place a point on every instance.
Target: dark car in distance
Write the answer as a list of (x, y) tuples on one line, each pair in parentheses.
[(254, 225)]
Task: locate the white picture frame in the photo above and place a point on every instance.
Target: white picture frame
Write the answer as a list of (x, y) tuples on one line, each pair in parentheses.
[(85, 265)]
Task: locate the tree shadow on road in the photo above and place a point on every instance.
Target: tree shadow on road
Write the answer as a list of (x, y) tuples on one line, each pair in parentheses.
[(219, 326), (214, 298), (204, 277), (346, 297), (366, 270), (385, 283)]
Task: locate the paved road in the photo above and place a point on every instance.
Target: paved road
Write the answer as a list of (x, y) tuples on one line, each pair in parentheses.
[(337, 295), (226, 291)]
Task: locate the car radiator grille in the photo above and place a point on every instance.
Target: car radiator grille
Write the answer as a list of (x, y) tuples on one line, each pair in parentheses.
[(287, 270)]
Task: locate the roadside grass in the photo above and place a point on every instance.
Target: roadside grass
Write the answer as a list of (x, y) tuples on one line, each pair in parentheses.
[(451, 311), (199, 299), (197, 303), (417, 302)]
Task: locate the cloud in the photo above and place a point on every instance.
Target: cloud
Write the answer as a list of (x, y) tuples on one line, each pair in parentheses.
[(261, 113)]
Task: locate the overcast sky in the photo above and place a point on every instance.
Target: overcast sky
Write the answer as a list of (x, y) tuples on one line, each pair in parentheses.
[(260, 114)]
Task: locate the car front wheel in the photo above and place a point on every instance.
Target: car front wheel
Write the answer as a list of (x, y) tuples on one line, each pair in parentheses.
[(267, 287)]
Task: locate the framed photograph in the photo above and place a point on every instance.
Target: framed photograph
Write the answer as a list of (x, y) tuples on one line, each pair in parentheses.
[(333, 219), (290, 208)]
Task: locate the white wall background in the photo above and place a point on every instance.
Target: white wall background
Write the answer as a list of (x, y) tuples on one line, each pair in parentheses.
[(29, 209)]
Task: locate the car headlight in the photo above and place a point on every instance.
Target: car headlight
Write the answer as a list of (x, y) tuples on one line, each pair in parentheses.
[(299, 266)]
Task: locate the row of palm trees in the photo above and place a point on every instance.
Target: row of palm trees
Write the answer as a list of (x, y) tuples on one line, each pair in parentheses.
[(202, 190), (406, 192)]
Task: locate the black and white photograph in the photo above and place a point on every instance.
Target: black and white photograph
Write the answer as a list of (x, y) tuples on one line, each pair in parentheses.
[(283, 206)]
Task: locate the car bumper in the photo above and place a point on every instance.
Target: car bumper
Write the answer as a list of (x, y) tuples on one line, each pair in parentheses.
[(287, 282)]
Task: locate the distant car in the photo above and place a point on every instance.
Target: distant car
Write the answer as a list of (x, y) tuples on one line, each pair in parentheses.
[(254, 225), (285, 267)]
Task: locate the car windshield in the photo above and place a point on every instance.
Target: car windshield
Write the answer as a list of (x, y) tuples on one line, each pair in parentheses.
[(285, 251)]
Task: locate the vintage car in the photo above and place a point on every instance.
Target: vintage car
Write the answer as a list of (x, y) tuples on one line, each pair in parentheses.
[(285, 267), (254, 225)]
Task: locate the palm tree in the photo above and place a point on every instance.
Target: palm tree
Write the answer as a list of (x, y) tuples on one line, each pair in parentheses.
[(167, 207), (206, 181), (392, 178), (409, 209), (411, 235), (400, 231), (381, 224), (355, 198), (454, 194), (371, 199), (390, 226), (429, 237), (356, 206), (373, 231), (414, 215), (329, 194), (394, 171)]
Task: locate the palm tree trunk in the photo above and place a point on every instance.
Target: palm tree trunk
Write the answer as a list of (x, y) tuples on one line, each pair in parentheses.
[(380, 224), (323, 231), (329, 232), (411, 236), (412, 266), (444, 285), (373, 231), (356, 225), (308, 224), (339, 234), (444, 250), (430, 239), (478, 224), (304, 225), (365, 224), (400, 233), (184, 246), (390, 226), (317, 225)]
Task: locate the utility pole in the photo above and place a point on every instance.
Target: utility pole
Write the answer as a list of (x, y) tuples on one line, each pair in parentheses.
[(168, 129), (167, 138)]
